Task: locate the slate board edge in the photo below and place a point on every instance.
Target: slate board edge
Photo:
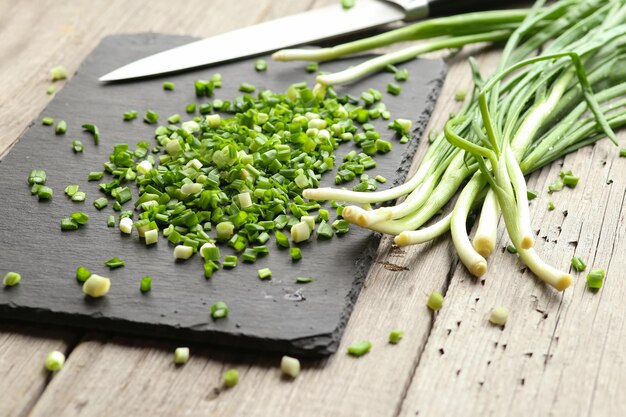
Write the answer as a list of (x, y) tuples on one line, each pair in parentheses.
[(322, 344)]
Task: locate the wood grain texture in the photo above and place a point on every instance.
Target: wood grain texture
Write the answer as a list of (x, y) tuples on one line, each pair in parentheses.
[(558, 355)]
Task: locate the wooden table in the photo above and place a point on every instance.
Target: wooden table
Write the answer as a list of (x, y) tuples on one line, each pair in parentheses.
[(559, 354)]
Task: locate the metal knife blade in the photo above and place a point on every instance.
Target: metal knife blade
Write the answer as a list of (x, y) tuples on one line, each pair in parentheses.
[(298, 29)]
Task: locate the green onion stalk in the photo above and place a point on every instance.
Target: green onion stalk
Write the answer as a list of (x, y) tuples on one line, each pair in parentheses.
[(533, 110)]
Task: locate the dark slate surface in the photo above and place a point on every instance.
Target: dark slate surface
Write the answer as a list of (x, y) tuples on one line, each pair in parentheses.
[(264, 315)]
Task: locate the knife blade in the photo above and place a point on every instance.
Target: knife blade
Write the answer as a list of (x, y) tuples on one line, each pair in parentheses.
[(315, 25)]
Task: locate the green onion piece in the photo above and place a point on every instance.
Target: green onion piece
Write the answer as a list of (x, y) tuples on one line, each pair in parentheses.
[(80, 217), (190, 108), (303, 280), (570, 180), (146, 284), (281, 239), (61, 127), (246, 88), (11, 279), (435, 301), (312, 67), (264, 273), (578, 264), (225, 230), (499, 316), (96, 286), (230, 261), (55, 361), (531, 195), (595, 278), (324, 230), (181, 355), (395, 336), (380, 179), (111, 221), (77, 146), (95, 176), (130, 115), (70, 190), (51, 90), (260, 65), (511, 249), (101, 203), (168, 85), (296, 254), (401, 75), (347, 4), (93, 129), (393, 89), (622, 153), (37, 176), (359, 348), (68, 224), (173, 119), (114, 262), (150, 117), (555, 186), (460, 95), (231, 378), (219, 310), (47, 121), (341, 226), (58, 73), (44, 193), (82, 274), (290, 366), (551, 206), (210, 252)]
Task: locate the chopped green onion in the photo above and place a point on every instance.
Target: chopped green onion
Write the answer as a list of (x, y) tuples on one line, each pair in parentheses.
[(114, 262), (551, 206), (173, 119), (359, 348), (395, 336), (183, 252), (93, 129), (151, 236), (11, 279), (281, 239), (181, 355), (111, 221), (260, 65), (70, 190), (296, 254), (101, 203), (312, 67), (401, 75), (570, 180), (77, 146), (82, 274), (324, 230), (61, 127), (150, 117), (303, 280), (168, 85), (51, 90), (380, 179), (126, 226), (231, 378), (511, 249), (460, 95), (190, 108), (230, 261), (37, 176), (393, 89), (210, 252), (264, 273), (58, 73), (499, 316), (45, 193), (130, 115), (80, 217), (531, 195), (578, 264), (246, 88), (219, 310), (435, 301), (347, 4), (290, 366), (68, 224), (595, 278), (557, 185), (96, 286), (300, 232), (95, 175), (47, 121), (622, 153), (55, 361)]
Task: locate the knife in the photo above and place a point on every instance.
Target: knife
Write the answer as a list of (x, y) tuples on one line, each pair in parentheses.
[(299, 29)]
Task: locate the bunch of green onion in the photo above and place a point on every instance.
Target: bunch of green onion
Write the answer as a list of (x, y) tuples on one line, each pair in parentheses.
[(532, 110)]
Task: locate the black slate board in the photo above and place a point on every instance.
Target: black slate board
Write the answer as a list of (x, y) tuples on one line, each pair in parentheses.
[(263, 314)]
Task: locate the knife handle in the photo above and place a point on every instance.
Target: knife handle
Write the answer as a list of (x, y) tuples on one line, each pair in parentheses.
[(449, 7)]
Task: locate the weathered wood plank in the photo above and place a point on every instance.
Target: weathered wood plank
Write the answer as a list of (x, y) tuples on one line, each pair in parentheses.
[(558, 354)]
